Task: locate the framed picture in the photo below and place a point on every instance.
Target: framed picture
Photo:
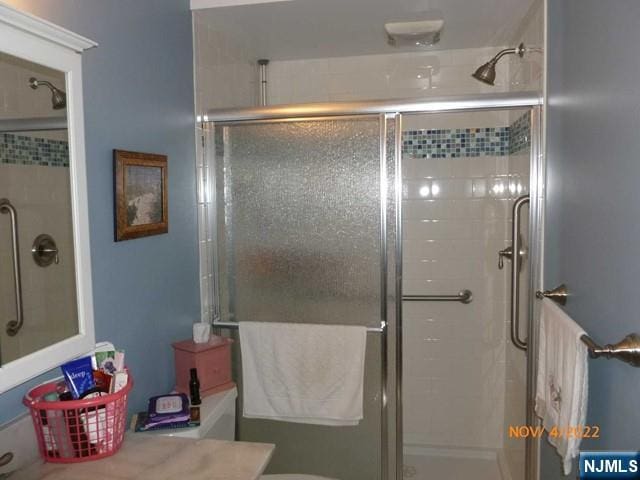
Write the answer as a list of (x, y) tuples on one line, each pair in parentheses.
[(140, 194)]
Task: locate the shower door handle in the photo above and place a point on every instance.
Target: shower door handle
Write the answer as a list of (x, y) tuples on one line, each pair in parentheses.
[(515, 274), (14, 326)]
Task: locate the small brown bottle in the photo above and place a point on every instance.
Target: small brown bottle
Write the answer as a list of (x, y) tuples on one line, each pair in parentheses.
[(194, 387)]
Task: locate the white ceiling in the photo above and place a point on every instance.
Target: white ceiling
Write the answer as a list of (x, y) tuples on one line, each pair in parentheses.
[(334, 28)]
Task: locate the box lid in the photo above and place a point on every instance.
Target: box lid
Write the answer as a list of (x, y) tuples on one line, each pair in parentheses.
[(192, 347)]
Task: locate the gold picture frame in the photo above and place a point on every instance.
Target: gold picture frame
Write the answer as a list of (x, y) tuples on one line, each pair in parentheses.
[(140, 194)]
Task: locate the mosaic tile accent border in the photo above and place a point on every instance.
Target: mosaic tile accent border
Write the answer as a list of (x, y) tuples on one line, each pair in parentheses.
[(459, 142), (520, 134), (468, 142), (25, 150)]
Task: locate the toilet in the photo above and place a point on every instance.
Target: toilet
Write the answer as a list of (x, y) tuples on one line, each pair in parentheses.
[(218, 421)]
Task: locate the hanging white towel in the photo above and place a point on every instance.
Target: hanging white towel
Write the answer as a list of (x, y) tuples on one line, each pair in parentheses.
[(562, 381), (303, 373)]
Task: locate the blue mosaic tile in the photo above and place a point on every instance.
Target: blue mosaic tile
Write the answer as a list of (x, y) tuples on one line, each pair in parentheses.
[(24, 150), (467, 142), (520, 134)]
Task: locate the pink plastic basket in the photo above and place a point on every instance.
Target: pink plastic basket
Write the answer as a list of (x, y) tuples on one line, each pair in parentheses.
[(78, 430)]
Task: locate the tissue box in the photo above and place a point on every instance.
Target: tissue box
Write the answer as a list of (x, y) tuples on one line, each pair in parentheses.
[(213, 361)]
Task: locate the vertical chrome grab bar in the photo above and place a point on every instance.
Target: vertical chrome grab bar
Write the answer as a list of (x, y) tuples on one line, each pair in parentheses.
[(14, 326), (515, 274)]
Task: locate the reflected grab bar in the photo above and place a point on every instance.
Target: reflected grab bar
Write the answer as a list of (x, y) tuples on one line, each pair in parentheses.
[(14, 326), (463, 296)]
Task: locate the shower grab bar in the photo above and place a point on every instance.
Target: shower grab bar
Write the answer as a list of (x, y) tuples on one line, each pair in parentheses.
[(234, 325), (14, 326), (464, 296), (515, 274)]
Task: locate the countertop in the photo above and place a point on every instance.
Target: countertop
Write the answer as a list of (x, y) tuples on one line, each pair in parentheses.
[(156, 457)]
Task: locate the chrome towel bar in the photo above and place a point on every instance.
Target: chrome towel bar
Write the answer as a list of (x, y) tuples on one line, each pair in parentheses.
[(463, 296), (234, 326), (626, 350)]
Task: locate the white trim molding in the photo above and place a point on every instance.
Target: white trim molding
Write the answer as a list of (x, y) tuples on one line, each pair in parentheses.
[(30, 38), (203, 4), (51, 32)]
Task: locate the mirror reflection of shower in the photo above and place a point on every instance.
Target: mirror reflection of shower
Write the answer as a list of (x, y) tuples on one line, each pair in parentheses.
[(58, 97)]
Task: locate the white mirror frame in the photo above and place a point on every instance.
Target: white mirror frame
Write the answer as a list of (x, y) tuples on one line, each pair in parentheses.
[(31, 38)]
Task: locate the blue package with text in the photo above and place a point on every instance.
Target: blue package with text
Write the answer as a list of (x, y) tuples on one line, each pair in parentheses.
[(610, 465), (78, 375)]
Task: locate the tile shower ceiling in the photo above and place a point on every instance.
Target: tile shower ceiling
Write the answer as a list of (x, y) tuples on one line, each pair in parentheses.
[(334, 28)]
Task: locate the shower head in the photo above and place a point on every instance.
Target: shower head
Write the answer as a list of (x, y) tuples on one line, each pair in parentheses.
[(487, 73), (58, 97)]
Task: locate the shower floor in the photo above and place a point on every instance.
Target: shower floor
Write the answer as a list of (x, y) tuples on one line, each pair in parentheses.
[(442, 464)]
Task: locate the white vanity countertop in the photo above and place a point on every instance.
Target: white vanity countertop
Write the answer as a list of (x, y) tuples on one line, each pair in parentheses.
[(155, 457)]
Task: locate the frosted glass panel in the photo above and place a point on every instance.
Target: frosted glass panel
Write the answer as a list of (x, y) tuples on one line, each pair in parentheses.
[(299, 221)]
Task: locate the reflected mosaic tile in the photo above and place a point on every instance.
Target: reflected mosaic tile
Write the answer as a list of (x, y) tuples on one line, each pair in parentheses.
[(468, 142), (25, 150)]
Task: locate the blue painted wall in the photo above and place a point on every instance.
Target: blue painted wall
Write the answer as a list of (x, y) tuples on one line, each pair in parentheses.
[(593, 209), (138, 95)]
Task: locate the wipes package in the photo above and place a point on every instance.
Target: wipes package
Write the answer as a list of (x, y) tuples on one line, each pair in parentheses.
[(78, 375)]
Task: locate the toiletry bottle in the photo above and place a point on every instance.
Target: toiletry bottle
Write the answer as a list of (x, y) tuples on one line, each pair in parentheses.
[(194, 387), (58, 428)]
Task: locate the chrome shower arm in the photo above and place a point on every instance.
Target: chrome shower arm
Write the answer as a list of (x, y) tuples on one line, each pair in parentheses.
[(519, 50)]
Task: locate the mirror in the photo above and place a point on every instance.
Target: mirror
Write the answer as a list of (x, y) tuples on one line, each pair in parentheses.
[(38, 303), (46, 313)]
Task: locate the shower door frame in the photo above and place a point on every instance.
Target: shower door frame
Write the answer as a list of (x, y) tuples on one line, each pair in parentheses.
[(391, 328)]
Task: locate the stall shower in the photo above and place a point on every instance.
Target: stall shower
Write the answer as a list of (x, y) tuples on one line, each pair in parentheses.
[(389, 215)]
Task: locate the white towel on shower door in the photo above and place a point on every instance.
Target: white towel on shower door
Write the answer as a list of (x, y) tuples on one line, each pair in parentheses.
[(303, 373), (562, 381)]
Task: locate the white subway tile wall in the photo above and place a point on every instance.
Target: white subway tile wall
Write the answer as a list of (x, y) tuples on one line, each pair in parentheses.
[(456, 218), (402, 75)]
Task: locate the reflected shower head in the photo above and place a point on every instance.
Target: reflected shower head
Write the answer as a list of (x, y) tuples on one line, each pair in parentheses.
[(58, 97), (487, 73)]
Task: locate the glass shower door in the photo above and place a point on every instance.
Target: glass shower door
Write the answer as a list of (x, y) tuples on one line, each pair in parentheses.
[(301, 237)]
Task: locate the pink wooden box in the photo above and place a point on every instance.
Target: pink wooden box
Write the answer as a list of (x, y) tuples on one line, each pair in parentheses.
[(213, 361)]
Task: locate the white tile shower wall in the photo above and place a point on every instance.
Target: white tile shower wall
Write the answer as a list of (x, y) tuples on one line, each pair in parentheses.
[(225, 70), (41, 196), (527, 73), (369, 77), (454, 354)]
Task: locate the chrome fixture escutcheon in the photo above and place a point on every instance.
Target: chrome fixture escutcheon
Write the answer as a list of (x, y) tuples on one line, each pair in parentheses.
[(45, 251)]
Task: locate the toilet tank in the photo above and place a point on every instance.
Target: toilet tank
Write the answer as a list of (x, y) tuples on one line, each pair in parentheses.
[(217, 418)]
